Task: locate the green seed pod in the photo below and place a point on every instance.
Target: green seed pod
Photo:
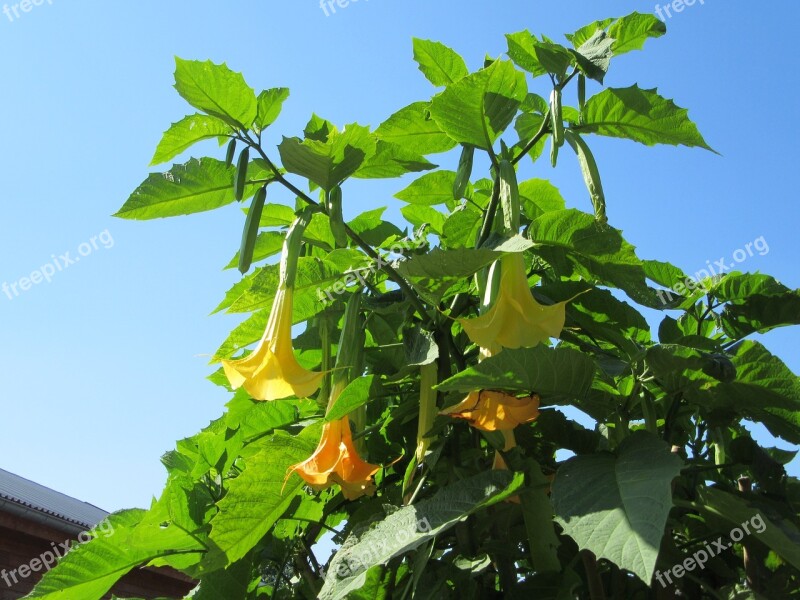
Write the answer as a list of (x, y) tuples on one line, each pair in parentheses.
[(230, 153), (581, 93), (509, 196), (337, 217), (241, 174), (464, 171), (557, 117), (250, 232), (591, 175)]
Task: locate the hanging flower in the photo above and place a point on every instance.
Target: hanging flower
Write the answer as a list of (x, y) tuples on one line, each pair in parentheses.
[(271, 371), (336, 461), (515, 319), (495, 411)]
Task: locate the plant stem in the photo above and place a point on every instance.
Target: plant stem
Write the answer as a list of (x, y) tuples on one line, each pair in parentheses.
[(596, 591)]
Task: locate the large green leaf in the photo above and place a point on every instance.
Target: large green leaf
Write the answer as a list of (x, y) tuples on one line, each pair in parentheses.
[(328, 163), (479, 107), (538, 57), (91, 569), (217, 91), (573, 242), (232, 583), (623, 518), (412, 129), (258, 497), (187, 132), (593, 57), (440, 64), (632, 31), (433, 188), (558, 375), (197, 186), (391, 160), (409, 527), (640, 115)]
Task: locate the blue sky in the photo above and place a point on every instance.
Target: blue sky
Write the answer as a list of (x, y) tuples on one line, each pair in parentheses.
[(104, 367)]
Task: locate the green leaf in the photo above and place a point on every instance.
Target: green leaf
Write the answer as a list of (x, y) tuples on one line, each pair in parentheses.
[(540, 196), (431, 189), (440, 64), (91, 569), (587, 31), (412, 129), (594, 56), (782, 537), (623, 518), (765, 389), (329, 163), (419, 215), (632, 31), (197, 186), (409, 527), (760, 313), (217, 91), (642, 116), (268, 243), (187, 132), (258, 497), (356, 394), (270, 103), (391, 160), (232, 583), (558, 375), (478, 108), (573, 242), (538, 57)]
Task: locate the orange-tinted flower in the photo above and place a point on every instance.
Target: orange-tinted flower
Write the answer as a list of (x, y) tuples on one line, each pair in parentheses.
[(495, 411), (337, 461), (515, 319), (271, 371)]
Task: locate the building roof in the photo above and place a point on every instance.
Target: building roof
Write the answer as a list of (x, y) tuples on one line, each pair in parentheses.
[(19, 495)]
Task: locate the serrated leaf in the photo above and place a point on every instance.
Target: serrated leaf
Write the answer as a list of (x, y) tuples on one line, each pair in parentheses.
[(187, 132), (642, 116), (411, 526), (440, 64), (429, 190), (91, 569), (217, 91), (197, 186), (391, 160), (329, 163), (258, 497), (270, 103), (479, 107), (558, 375), (623, 518), (414, 131), (632, 31)]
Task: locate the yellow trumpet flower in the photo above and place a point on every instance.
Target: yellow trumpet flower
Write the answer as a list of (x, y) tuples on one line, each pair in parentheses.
[(271, 371), (336, 461), (515, 319), (495, 411)]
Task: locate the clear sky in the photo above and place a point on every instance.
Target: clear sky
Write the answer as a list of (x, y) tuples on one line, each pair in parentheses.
[(103, 368)]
